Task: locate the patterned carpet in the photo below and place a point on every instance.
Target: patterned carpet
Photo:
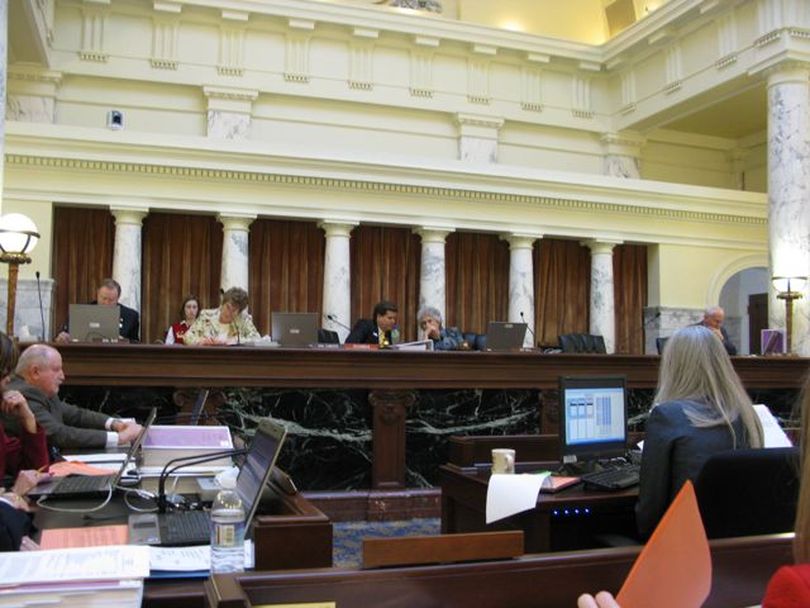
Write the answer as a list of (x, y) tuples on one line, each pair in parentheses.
[(348, 536)]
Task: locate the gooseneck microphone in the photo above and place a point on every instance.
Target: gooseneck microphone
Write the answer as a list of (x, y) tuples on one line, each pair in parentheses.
[(334, 320), (41, 308), (187, 461), (529, 327)]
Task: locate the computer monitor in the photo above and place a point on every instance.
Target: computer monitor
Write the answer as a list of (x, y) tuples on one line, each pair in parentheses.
[(593, 418), (255, 471), (94, 323), (505, 336), (295, 329)]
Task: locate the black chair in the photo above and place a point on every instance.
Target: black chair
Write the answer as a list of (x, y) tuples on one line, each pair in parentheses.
[(327, 336), (749, 492), (660, 343), (596, 344), (568, 344)]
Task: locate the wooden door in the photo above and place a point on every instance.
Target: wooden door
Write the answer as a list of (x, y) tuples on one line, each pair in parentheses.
[(757, 320)]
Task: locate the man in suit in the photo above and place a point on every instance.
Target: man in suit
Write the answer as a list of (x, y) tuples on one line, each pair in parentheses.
[(39, 376), (380, 329), (713, 318), (108, 294)]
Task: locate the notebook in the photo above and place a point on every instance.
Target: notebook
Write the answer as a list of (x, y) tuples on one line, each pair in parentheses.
[(505, 336), (94, 323), (93, 486), (295, 329), (193, 527)]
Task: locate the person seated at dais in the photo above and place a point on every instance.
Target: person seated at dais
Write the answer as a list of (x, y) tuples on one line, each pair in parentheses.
[(39, 376), (381, 329), (189, 312), (700, 409), (108, 294), (229, 324), (714, 318), (443, 338)]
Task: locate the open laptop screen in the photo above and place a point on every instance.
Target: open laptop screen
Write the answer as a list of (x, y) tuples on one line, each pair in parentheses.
[(505, 336), (295, 328), (258, 463), (94, 323), (593, 418)]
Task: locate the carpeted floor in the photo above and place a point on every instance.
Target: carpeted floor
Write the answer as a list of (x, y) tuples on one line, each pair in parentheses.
[(348, 536)]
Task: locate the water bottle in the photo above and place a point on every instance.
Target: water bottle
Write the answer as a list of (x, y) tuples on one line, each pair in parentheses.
[(227, 531)]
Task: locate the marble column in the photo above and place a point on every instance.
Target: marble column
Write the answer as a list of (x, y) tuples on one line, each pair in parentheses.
[(521, 282), (337, 294), (235, 253), (621, 154), (789, 190), (3, 78), (432, 280), (603, 307), (127, 253)]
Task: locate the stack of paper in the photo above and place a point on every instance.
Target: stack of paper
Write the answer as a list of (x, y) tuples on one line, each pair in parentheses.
[(165, 443), (92, 576)]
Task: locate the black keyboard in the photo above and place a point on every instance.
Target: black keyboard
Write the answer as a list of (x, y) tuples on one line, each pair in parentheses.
[(185, 528), (617, 478), (81, 485)]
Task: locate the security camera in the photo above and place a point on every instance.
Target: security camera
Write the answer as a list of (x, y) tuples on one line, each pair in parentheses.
[(115, 120)]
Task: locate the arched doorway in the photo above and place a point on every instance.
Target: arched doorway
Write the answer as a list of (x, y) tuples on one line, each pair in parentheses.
[(745, 299)]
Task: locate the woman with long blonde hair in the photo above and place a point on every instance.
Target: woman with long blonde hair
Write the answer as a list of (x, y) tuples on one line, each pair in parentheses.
[(700, 409)]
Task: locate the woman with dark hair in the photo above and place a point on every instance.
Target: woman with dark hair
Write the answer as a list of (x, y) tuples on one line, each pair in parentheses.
[(189, 312), (28, 451)]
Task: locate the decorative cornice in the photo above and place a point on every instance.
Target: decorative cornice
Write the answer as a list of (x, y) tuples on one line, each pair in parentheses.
[(34, 74), (329, 183)]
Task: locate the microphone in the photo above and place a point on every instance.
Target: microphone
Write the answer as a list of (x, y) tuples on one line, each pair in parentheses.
[(41, 308), (529, 327), (334, 320), (187, 461)]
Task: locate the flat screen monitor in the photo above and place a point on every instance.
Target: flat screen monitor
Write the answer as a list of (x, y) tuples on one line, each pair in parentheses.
[(593, 418), (255, 471), (503, 336)]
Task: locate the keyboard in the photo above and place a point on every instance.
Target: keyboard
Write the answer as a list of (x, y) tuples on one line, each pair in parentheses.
[(81, 486), (617, 478), (185, 528)]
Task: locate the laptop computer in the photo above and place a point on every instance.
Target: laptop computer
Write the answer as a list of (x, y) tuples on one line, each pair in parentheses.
[(93, 486), (295, 329), (193, 527), (94, 323), (505, 336)]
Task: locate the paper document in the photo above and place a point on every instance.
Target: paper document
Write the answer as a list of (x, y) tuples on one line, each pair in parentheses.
[(65, 468), (118, 457), (90, 536), (775, 437), (510, 494), (90, 563), (189, 559), (674, 570)]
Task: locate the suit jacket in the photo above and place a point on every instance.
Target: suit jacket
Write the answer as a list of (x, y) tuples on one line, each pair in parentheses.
[(675, 451), (129, 323), (365, 331), (14, 524), (789, 587), (66, 425), (727, 343)]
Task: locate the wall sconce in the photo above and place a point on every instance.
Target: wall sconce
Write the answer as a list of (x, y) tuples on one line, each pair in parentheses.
[(789, 289), (18, 237)]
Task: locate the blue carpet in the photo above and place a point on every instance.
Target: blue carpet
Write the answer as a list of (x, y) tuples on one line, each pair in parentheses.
[(347, 544)]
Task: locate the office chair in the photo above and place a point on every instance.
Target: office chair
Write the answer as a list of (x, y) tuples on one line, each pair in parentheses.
[(660, 343), (568, 344), (327, 336), (596, 344), (749, 492)]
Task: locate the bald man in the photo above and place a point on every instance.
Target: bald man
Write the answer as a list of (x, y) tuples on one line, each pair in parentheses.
[(39, 376), (713, 318)]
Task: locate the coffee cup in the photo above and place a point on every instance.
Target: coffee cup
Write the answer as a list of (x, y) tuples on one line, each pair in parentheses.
[(503, 461)]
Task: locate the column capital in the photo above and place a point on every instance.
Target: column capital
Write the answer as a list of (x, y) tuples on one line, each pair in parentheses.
[(337, 227), (230, 99), (518, 240), (236, 221), (430, 234), (129, 215), (788, 71), (598, 246), (623, 143), (476, 125)]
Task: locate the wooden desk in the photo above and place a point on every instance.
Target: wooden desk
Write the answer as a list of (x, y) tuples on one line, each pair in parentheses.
[(563, 521), (741, 568)]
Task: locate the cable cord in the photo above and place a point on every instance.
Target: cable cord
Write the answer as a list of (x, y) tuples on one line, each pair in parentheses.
[(41, 503)]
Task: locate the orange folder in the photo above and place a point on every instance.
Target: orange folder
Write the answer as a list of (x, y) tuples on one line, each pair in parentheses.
[(674, 570)]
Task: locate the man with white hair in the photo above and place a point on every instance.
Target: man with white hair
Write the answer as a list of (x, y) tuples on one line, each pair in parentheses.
[(713, 318), (444, 338), (39, 376)]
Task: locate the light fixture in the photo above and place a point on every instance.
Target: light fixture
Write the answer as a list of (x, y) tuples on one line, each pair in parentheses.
[(789, 289), (18, 237)]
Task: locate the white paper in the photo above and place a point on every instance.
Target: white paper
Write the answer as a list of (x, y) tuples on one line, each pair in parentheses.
[(775, 437), (118, 457), (510, 494), (85, 563), (189, 559)]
